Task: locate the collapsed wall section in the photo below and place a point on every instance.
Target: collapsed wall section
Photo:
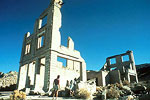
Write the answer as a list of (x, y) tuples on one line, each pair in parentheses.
[(116, 69), (125, 64)]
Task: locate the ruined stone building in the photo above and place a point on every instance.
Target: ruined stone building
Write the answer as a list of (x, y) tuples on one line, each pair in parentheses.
[(117, 69), (42, 52)]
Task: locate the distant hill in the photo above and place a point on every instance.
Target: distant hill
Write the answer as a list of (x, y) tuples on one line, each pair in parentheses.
[(143, 71), (8, 81), (142, 65)]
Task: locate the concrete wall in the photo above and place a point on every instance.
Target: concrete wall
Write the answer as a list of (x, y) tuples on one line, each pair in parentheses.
[(124, 66), (115, 76), (31, 73), (39, 65), (22, 77), (102, 77), (116, 72)]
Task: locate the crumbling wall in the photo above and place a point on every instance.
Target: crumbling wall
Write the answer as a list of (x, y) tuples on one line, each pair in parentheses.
[(23, 74), (40, 54), (115, 76), (101, 77), (125, 66), (116, 71)]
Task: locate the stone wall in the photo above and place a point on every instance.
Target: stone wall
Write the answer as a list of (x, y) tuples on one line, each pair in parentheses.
[(116, 72), (39, 64)]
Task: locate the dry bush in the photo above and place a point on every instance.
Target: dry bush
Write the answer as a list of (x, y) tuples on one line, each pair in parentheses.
[(125, 82), (119, 85), (148, 88), (98, 88), (83, 94), (112, 93), (112, 85), (18, 95)]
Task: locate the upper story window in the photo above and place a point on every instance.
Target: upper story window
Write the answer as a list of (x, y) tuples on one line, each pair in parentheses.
[(63, 61), (40, 41), (42, 22), (125, 58), (27, 50), (113, 61)]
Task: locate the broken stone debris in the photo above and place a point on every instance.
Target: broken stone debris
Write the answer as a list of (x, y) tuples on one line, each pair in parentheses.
[(111, 91), (90, 85), (139, 89), (135, 91)]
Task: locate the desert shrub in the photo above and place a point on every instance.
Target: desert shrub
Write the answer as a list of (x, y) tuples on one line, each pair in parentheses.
[(18, 95), (119, 85), (148, 88), (98, 96), (112, 93), (125, 82), (98, 88), (82, 94), (110, 86)]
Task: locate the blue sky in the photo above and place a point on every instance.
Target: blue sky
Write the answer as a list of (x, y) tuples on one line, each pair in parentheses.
[(99, 28)]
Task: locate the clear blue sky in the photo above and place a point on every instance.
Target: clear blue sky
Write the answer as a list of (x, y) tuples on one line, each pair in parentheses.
[(99, 28)]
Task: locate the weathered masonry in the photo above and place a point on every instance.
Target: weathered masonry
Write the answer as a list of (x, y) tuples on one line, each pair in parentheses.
[(116, 69), (43, 56)]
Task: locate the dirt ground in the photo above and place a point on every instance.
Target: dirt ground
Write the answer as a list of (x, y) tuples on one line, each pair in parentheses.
[(4, 95)]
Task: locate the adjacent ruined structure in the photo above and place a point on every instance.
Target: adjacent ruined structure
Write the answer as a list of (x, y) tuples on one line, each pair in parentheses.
[(42, 52), (117, 69)]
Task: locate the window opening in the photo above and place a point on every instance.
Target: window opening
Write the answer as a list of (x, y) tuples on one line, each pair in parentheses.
[(40, 41), (42, 22), (113, 61), (114, 68), (41, 64), (96, 81), (27, 51), (125, 58), (63, 60)]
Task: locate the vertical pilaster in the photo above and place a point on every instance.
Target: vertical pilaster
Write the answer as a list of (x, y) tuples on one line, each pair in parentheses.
[(119, 64), (27, 77), (47, 73), (83, 76), (36, 26), (108, 64), (131, 57), (136, 79), (53, 68), (36, 70)]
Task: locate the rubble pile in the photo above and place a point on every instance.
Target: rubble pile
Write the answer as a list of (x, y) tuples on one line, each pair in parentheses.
[(8, 81), (90, 85), (135, 91), (85, 90)]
